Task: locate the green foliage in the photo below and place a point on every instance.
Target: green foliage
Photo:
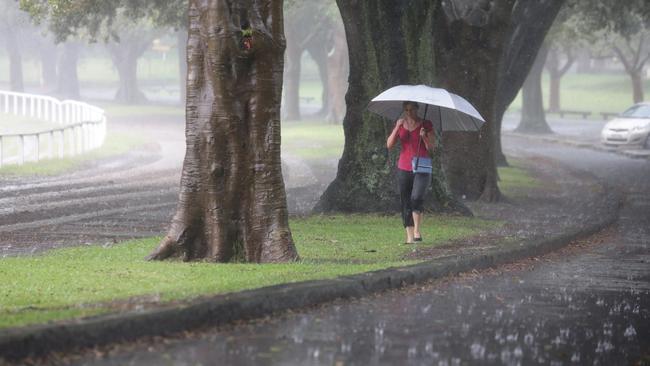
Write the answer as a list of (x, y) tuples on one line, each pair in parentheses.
[(67, 18), (92, 279)]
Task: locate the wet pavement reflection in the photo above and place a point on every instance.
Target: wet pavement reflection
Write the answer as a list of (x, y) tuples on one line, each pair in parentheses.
[(590, 307)]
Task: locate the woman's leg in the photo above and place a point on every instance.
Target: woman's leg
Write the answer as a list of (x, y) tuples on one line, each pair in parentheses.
[(405, 180), (420, 184)]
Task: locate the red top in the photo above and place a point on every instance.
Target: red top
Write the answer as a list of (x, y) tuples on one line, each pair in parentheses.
[(409, 141)]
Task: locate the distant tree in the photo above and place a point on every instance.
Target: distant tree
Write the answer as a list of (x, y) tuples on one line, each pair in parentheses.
[(564, 44), (14, 23), (533, 117), (131, 38), (623, 29), (308, 27)]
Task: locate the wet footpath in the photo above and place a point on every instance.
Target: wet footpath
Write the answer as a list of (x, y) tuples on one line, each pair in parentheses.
[(586, 304)]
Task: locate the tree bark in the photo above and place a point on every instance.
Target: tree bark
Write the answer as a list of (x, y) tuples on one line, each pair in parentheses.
[(533, 118), (232, 204), (181, 37), (468, 46), (125, 55), (530, 23), (389, 43), (16, 82), (67, 80)]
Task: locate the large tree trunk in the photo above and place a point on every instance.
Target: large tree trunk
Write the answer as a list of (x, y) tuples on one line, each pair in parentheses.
[(530, 22), (67, 80), (125, 55), (181, 37), (338, 70), (468, 55), (389, 43), (48, 53), (232, 204), (319, 55), (533, 118), (16, 82), (292, 82)]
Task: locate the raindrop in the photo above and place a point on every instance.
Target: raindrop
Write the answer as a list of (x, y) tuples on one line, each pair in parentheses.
[(459, 308), (575, 358), (455, 362), (426, 309), (412, 352), (477, 350), (528, 339), (630, 332), (600, 302), (512, 337), (564, 333), (519, 353)]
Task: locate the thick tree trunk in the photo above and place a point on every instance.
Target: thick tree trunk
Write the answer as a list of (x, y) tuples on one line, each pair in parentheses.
[(232, 205), (533, 118), (338, 70), (637, 86), (319, 55), (125, 55), (530, 22), (468, 64), (16, 82), (292, 83), (181, 37), (67, 80), (48, 53), (388, 43)]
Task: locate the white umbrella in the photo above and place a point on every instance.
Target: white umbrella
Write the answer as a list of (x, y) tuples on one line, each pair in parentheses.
[(454, 112)]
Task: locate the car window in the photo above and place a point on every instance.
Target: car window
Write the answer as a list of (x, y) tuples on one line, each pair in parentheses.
[(637, 111)]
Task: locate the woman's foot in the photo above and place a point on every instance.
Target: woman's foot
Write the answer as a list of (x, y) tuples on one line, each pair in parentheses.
[(417, 238)]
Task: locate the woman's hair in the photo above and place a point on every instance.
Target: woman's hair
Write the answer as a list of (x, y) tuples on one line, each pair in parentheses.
[(413, 104)]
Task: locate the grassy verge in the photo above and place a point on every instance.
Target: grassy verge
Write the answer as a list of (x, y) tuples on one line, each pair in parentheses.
[(312, 140), (115, 144), (82, 281), (594, 93)]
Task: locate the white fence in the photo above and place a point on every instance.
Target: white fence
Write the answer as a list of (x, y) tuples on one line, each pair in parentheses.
[(83, 128)]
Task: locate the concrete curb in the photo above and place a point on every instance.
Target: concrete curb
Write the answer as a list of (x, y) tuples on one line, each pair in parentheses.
[(20, 343), (634, 154)]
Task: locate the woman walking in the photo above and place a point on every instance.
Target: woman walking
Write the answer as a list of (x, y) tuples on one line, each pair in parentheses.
[(416, 138)]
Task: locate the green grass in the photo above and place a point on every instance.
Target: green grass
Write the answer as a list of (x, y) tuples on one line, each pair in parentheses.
[(115, 144), (87, 280), (595, 93), (514, 179), (312, 140)]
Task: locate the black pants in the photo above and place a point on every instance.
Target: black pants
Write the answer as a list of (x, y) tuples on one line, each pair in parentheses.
[(411, 191)]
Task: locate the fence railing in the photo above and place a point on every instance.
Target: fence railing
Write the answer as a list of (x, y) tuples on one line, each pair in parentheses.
[(82, 128)]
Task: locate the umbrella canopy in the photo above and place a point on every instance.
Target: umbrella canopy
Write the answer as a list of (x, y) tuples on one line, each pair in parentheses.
[(454, 113)]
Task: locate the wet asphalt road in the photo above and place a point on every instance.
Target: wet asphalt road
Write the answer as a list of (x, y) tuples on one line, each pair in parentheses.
[(590, 305)]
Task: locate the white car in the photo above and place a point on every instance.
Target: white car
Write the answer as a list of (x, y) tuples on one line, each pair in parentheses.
[(632, 127)]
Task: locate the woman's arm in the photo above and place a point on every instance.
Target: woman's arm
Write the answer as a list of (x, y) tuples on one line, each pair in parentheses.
[(392, 138), (429, 138)]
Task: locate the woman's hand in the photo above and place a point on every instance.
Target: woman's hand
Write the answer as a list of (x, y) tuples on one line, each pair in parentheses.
[(423, 132)]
